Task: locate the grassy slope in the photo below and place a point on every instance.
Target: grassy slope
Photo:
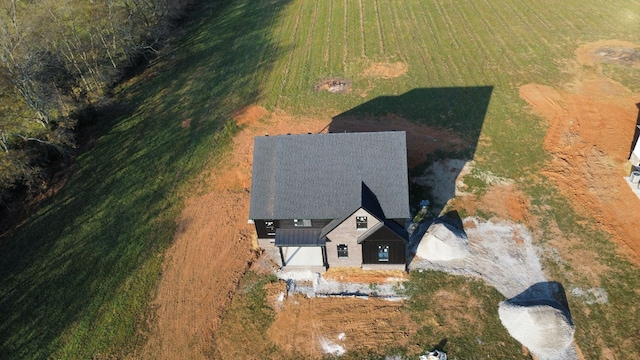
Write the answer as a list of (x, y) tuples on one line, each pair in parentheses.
[(76, 277)]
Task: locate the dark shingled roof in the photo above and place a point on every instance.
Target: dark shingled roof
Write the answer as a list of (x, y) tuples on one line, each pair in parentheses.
[(320, 176), (299, 237), (389, 224)]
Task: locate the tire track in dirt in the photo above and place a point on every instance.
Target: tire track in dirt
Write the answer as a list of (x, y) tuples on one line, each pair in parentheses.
[(362, 34), (291, 51), (328, 44), (345, 47), (379, 27)]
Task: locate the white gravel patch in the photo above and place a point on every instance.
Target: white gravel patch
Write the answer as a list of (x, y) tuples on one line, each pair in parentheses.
[(331, 348), (500, 253), (313, 284), (591, 296)]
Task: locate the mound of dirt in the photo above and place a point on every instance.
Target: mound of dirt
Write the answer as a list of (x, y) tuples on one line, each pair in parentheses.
[(611, 51), (386, 70), (618, 55), (545, 329), (443, 242), (334, 86)]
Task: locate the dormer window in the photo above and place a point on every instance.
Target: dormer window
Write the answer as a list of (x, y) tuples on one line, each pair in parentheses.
[(361, 223)]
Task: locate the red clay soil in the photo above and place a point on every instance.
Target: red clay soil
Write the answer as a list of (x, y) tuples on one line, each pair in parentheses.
[(302, 324), (591, 126)]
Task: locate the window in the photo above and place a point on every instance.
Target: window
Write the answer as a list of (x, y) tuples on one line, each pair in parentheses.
[(343, 251), (383, 253), (271, 227), (301, 222), (361, 222)]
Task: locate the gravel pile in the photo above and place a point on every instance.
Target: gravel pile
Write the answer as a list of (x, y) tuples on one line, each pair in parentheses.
[(545, 328), (443, 242)]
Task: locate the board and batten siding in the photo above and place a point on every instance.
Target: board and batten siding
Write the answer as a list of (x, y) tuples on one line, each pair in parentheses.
[(384, 236)]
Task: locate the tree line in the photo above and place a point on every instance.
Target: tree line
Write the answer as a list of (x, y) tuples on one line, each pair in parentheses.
[(59, 57)]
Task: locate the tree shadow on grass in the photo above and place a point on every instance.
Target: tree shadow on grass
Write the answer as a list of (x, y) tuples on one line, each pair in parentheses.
[(452, 119), (77, 275)]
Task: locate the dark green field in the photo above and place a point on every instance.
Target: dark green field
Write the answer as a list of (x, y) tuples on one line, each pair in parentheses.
[(77, 276)]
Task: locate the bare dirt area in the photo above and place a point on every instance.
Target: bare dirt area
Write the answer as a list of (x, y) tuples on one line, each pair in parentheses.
[(365, 276), (591, 126), (383, 70), (317, 326)]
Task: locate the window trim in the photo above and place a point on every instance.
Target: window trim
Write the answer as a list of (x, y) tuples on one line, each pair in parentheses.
[(384, 259), (270, 227), (343, 251), (362, 223)]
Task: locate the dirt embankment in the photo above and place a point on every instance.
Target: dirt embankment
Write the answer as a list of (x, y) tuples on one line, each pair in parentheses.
[(591, 126)]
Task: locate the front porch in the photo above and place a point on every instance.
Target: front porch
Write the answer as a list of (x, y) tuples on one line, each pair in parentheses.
[(301, 249)]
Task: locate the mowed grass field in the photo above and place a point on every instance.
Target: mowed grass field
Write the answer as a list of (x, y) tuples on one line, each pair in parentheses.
[(77, 277)]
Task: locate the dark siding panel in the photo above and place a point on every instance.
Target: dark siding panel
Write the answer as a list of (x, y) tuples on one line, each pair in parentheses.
[(315, 224), (384, 233), (400, 222), (261, 229), (384, 236), (397, 251)]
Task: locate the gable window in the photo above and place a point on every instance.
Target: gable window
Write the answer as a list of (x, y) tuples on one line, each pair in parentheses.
[(361, 222), (302, 222), (343, 251), (383, 253), (270, 227)]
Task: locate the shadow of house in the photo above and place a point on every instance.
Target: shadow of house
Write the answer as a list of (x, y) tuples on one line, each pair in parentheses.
[(441, 124), (548, 293)]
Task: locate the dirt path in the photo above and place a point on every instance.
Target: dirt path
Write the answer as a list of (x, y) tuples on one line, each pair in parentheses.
[(591, 126)]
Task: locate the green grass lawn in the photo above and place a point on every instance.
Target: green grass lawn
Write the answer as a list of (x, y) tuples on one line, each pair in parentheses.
[(77, 276)]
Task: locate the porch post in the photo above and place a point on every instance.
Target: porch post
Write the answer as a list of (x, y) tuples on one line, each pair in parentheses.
[(324, 257), (281, 255)]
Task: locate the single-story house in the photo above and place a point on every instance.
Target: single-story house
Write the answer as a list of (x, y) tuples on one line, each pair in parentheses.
[(332, 200)]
